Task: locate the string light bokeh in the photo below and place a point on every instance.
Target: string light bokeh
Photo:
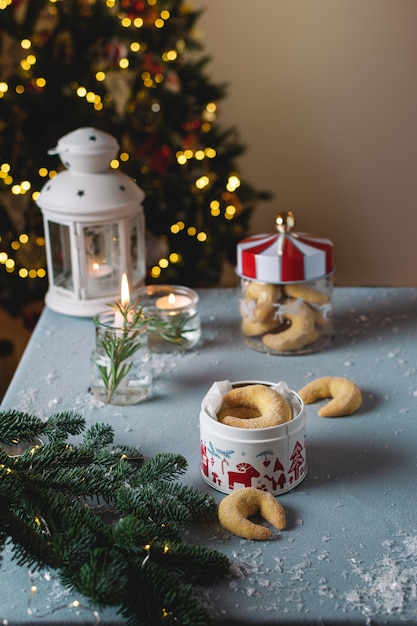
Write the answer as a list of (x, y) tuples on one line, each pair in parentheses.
[(198, 163)]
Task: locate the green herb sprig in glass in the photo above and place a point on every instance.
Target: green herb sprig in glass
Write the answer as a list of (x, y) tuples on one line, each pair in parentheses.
[(120, 344)]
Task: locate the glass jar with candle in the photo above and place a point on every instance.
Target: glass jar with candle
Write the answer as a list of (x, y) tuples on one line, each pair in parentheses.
[(122, 362), (179, 307), (286, 282)]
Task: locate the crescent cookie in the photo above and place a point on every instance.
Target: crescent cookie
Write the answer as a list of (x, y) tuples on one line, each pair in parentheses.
[(263, 296), (346, 395), (321, 318), (307, 293), (272, 406), (234, 510), (301, 333), (253, 329), (243, 412)]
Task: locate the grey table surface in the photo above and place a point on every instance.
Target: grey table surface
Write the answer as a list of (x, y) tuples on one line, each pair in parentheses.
[(349, 552)]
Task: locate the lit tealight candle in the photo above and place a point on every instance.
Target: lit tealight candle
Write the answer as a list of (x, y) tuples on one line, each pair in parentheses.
[(124, 301), (173, 302), (177, 308), (100, 270)]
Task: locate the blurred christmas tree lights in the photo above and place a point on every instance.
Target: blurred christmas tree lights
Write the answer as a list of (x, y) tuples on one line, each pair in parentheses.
[(131, 68)]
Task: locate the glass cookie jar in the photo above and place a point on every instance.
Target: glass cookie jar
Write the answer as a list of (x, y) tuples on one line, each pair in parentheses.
[(286, 282)]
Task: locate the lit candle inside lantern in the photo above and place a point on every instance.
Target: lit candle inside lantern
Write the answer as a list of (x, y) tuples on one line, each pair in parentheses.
[(100, 270), (124, 301), (173, 302)]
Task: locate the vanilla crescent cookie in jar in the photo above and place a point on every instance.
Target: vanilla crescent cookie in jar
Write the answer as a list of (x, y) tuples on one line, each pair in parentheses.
[(285, 292)]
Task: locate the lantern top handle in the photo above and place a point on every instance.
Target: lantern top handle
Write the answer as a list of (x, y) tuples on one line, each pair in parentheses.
[(86, 148)]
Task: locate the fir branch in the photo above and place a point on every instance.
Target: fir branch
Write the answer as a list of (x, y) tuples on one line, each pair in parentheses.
[(132, 502), (172, 602), (3, 539), (167, 507), (53, 455), (74, 548), (121, 463), (131, 534), (163, 466), (200, 504), (98, 435), (195, 564), (163, 508), (18, 426), (53, 512), (29, 547), (11, 490), (179, 503), (75, 482), (136, 561), (60, 425), (93, 581)]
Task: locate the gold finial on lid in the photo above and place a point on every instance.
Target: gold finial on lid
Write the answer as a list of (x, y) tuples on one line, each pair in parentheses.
[(285, 222)]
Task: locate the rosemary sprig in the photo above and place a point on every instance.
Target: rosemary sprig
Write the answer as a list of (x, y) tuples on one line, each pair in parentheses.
[(170, 330)]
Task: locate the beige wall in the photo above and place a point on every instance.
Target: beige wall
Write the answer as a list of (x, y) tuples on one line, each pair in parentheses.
[(324, 93)]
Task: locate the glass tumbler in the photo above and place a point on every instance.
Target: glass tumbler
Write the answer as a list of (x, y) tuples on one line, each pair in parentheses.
[(122, 362)]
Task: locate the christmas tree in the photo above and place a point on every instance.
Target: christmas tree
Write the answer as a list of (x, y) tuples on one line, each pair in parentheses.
[(134, 69), (129, 555)]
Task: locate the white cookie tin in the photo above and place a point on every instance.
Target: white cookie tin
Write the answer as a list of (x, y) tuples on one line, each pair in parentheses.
[(271, 459)]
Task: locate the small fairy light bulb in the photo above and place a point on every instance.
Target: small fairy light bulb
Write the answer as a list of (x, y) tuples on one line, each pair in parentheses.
[(147, 549), (285, 222), (33, 590)]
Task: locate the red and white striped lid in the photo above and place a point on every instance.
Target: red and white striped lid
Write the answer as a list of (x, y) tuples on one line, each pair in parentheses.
[(285, 257)]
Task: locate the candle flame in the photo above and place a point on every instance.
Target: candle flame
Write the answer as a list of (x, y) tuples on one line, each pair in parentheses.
[(125, 294), (95, 266), (171, 298)]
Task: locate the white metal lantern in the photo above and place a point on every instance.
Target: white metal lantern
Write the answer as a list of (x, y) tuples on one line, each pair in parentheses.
[(94, 226)]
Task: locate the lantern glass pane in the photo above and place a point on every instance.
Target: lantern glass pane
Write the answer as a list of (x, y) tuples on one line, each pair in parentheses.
[(137, 248), (102, 258), (59, 237)]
